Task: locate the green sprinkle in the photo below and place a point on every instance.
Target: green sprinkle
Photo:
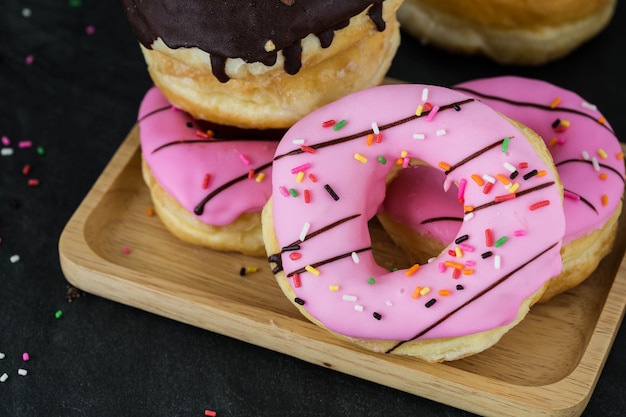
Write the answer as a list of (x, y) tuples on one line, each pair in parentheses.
[(293, 192), (371, 280), (382, 160), (340, 124), (505, 144), (76, 3), (40, 150), (58, 314), (500, 241)]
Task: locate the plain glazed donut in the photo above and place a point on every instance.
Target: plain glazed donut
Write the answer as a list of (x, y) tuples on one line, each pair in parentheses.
[(530, 32), (329, 177), (588, 157), (207, 190), (263, 64)]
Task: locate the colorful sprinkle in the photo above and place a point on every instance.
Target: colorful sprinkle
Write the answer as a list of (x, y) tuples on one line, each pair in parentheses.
[(539, 204), (328, 123), (205, 181), (382, 160), (419, 136), (301, 168), (432, 113), (293, 192), (360, 158), (312, 270), (500, 241), (308, 149), (339, 124), (350, 298), (332, 192), (58, 314), (412, 270), (505, 144)]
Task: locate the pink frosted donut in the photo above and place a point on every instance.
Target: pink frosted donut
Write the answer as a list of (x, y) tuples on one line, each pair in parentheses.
[(207, 190), (329, 178), (586, 152)]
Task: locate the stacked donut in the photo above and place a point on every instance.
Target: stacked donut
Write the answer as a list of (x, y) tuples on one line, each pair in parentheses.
[(529, 32), (229, 78)]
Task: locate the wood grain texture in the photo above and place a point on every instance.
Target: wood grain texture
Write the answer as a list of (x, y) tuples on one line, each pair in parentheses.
[(546, 366)]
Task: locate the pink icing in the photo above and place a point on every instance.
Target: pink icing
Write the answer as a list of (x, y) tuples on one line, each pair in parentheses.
[(532, 102), (338, 290), (180, 160)]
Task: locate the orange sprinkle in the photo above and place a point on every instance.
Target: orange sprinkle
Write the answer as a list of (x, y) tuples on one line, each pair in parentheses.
[(444, 166), (503, 179), (605, 200), (555, 102), (620, 155), (542, 173), (454, 265), (412, 270), (150, 212), (444, 292), (370, 139), (468, 209), (416, 292), (553, 141), (602, 120), (468, 271), (603, 176), (478, 180)]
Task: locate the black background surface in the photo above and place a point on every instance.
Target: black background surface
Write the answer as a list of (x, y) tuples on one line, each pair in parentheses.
[(77, 101)]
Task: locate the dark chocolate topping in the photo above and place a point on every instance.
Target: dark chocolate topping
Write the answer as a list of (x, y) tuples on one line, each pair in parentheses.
[(242, 28)]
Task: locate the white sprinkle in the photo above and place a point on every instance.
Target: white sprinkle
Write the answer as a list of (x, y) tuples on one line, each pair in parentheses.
[(26, 12), (509, 166), (468, 216), (7, 151), (441, 132), (22, 372), (355, 257), (424, 94), (489, 178), (594, 162), (298, 141), (4, 377), (304, 231), (589, 106), (388, 303), (14, 258), (347, 297), (419, 136), (585, 155), (358, 307), (375, 128), (2, 355), (431, 259), (496, 262)]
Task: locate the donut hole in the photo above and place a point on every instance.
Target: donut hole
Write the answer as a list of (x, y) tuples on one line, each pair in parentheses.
[(415, 196)]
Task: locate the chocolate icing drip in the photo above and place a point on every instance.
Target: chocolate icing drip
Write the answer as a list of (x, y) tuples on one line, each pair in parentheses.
[(243, 28), (584, 161), (367, 132), (442, 219), (535, 105), (476, 297)]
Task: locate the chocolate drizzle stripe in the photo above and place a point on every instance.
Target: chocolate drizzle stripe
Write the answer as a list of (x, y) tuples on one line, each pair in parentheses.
[(153, 112), (329, 260), (199, 209), (442, 219), (474, 155), (517, 195), (211, 140), (367, 132), (584, 161), (584, 200), (476, 297), (276, 257), (535, 105)]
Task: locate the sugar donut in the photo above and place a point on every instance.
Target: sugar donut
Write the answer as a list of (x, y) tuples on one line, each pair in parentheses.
[(588, 158), (530, 32), (263, 64), (329, 181), (207, 191)]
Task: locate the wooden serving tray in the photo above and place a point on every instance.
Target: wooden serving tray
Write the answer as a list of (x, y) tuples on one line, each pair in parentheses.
[(547, 365)]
